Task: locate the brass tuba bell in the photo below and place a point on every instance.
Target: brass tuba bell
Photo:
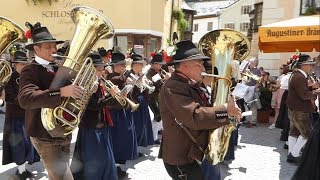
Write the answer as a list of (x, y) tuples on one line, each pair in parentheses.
[(10, 32), (223, 46), (91, 26)]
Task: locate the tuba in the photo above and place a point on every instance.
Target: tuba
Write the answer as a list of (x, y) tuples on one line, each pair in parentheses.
[(91, 26), (223, 46), (9, 33)]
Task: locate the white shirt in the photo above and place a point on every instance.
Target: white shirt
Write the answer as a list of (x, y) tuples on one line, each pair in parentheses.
[(44, 63), (284, 83)]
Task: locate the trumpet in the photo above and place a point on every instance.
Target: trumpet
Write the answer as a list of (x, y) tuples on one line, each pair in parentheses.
[(142, 82), (163, 72), (123, 101), (252, 76)]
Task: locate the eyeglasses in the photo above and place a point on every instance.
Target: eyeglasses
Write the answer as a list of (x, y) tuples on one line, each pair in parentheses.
[(198, 63)]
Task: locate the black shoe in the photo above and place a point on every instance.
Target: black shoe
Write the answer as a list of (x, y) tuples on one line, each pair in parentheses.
[(140, 154), (157, 141), (2, 112), (285, 146), (292, 159), (121, 173), (26, 174)]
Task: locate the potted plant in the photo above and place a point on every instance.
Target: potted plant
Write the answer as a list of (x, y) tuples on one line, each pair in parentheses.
[(265, 100)]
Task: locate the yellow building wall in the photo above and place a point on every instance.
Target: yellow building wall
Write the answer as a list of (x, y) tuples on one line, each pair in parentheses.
[(147, 15)]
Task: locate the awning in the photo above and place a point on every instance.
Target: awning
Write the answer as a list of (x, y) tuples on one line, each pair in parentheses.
[(301, 33)]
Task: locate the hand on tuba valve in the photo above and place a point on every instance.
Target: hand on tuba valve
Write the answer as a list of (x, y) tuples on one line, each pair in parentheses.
[(118, 95)]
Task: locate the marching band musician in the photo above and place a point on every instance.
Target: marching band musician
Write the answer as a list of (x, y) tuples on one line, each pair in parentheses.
[(17, 146), (300, 107), (157, 78), (211, 172), (141, 116), (124, 141), (93, 156), (186, 115), (34, 94)]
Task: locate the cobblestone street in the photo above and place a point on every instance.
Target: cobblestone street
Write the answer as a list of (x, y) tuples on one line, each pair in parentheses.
[(259, 155)]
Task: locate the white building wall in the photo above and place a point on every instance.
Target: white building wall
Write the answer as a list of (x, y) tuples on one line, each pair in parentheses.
[(232, 14), (203, 27)]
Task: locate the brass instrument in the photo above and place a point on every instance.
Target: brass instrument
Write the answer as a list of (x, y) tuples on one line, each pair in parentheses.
[(142, 82), (10, 32), (87, 79), (249, 74), (222, 46), (123, 101), (91, 26)]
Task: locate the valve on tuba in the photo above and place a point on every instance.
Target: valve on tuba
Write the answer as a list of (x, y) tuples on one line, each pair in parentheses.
[(91, 26), (223, 46), (10, 32), (123, 101)]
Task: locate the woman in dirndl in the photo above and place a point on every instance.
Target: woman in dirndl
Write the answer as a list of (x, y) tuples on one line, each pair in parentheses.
[(141, 116), (93, 156), (17, 147), (123, 134)]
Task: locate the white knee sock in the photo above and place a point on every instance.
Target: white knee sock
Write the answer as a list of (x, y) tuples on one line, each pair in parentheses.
[(298, 146), (291, 142), (22, 168)]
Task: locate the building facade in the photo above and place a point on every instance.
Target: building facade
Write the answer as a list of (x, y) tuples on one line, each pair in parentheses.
[(236, 16), (207, 17), (142, 24)]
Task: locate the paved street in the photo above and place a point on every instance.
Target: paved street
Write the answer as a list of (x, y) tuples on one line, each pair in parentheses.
[(259, 155)]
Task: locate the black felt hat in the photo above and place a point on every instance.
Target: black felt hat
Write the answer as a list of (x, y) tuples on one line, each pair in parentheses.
[(103, 52), (137, 58), (20, 57), (117, 58), (96, 59), (157, 59), (304, 59), (187, 51), (39, 35)]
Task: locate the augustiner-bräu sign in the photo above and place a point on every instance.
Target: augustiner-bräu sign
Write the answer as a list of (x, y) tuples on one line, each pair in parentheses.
[(289, 33)]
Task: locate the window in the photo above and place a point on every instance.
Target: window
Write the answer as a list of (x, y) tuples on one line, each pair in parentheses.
[(188, 18), (209, 27), (309, 7), (245, 9), (244, 26), (258, 15), (122, 43), (195, 27), (153, 45), (229, 25)]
